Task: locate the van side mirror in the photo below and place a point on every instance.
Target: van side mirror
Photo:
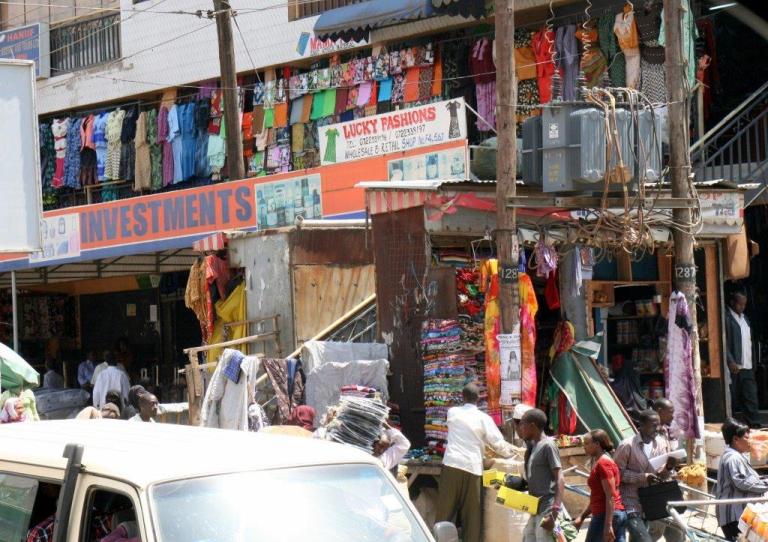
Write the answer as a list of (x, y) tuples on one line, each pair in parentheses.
[(446, 531)]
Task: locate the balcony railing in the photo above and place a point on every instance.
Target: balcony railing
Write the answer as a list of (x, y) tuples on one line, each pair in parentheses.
[(299, 9), (86, 43)]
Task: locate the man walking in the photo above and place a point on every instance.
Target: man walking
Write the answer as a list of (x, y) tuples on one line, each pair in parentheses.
[(738, 355), (85, 371), (668, 429), (633, 457), (544, 474), (461, 484)]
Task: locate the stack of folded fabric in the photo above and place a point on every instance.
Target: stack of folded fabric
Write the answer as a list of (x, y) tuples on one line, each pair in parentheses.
[(444, 377), (455, 257), (351, 390), (473, 341), (358, 422)]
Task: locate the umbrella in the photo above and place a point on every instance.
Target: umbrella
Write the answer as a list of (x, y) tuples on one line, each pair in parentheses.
[(16, 373)]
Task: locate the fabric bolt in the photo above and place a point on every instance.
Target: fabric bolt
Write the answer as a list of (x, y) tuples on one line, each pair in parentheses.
[(72, 158), (527, 99), (653, 82), (385, 90), (411, 89), (342, 97), (329, 102), (127, 145), (297, 137), (525, 62), (100, 142), (425, 82), (114, 131), (188, 137), (281, 115), (543, 45), (143, 166), (528, 309), (174, 137), (59, 127), (352, 97), (568, 60), (486, 106), (297, 106), (317, 106), (155, 151), (163, 133), (481, 62), (363, 94), (609, 45), (398, 89), (47, 156)]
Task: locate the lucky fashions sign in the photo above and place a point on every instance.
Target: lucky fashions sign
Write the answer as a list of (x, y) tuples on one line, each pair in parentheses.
[(397, 131)]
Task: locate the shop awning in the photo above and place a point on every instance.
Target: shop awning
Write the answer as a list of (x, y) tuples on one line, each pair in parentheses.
[(216, 241), (463, 8), (354, 22), (597, 407)]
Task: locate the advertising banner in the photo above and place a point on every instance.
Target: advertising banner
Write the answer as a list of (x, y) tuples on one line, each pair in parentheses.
[(510, 356), (29, 42), (397, 131)]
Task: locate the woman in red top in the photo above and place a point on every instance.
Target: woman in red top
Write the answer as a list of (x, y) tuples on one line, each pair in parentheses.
[(609, 519)]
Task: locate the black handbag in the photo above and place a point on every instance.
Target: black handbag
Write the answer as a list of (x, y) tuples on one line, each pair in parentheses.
[(654, 499)]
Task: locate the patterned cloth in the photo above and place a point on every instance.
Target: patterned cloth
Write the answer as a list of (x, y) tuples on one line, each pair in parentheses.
[(610, 48), (155, 151), (527, 99), (680, 385), (277, 369), (114, 130), (72, 158), (486, 106), (47, 162), (143, 162)]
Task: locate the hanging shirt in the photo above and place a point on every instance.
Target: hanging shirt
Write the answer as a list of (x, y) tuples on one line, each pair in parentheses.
[(469, 431), (174, 138), (111, 378)]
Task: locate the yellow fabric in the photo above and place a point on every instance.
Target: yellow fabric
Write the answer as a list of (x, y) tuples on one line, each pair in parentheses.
[(231, 309)]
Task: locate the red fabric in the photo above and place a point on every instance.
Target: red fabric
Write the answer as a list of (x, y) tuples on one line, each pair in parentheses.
[(552, 292), (604, 469), (543, 43), (216, 270), (481, 61)]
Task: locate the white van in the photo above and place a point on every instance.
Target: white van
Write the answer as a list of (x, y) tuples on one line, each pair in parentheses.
[(140, 482)]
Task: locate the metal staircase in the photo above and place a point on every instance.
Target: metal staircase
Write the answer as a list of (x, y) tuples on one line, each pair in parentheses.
[(736, 149)]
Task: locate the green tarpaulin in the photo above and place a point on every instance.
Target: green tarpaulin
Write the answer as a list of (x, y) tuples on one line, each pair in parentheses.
[(16, 373), (597, 407)]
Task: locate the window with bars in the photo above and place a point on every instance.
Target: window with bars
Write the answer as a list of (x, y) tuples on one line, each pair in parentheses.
[(86, 43)]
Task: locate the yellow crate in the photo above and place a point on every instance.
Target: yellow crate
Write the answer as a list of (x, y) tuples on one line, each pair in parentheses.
[(518, 500), (492, 478)]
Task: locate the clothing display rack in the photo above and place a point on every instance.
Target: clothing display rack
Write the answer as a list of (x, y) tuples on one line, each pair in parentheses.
[(193, 370)]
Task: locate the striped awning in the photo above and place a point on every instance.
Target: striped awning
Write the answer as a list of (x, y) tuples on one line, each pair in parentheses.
[(216, 241), (385, 201)]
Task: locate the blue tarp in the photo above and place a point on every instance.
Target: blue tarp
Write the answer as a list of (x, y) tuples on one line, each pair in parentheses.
[(352, 23)]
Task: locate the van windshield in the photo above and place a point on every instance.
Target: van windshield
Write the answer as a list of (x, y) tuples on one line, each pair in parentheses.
[(339, 503)]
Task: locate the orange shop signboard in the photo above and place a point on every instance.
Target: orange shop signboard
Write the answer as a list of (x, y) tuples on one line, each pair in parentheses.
[(177, 219)]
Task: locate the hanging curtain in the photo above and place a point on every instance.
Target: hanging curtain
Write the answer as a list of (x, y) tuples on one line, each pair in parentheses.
[(489, 285)]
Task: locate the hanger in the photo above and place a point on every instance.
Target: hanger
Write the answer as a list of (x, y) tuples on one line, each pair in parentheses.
[(476, 243)]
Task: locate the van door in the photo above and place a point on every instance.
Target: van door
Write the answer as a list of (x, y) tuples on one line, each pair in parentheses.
[(104, 507)]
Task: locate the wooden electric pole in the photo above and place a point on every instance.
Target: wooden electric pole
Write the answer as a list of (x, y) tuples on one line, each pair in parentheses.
[(234, 137), (506, 164), (679, 171)]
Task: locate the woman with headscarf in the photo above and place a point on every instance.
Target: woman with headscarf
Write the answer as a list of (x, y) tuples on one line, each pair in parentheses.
[(303, 416), (13, 411)]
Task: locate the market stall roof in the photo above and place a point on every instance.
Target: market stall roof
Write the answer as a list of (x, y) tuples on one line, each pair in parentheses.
[(354, 22), (153, 263)]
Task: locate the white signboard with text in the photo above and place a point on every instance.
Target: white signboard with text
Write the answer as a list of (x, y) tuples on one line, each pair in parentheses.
[(397, 131), (510, 357), (20, 158)]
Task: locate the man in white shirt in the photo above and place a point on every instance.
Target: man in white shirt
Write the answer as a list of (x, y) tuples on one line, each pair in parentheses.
[(148, 407), (110, 378), (391, 448), (100, 367), (461, 481), (738, 355)]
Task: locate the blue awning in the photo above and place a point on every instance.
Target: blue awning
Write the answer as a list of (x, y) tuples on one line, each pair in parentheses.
[(354, 22)]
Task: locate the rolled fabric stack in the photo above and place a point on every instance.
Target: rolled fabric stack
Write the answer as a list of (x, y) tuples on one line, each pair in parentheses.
[(473, 341), (444, 378), (358, 422)]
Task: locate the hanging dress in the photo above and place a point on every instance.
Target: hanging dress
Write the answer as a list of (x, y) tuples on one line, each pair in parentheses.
[(489, 285), (528, 309)]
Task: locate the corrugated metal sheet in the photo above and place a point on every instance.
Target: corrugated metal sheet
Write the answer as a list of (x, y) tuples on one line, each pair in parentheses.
[(400, 249), (323, 294), (331, 246)]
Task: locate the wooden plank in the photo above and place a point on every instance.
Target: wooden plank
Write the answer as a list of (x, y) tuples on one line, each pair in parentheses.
[(444, 306), (323, 294), (624, 266), (713, 311)]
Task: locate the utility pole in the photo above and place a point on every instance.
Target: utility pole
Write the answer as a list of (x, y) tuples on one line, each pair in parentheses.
[(234, 137), (506, 164), (679, 170)]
